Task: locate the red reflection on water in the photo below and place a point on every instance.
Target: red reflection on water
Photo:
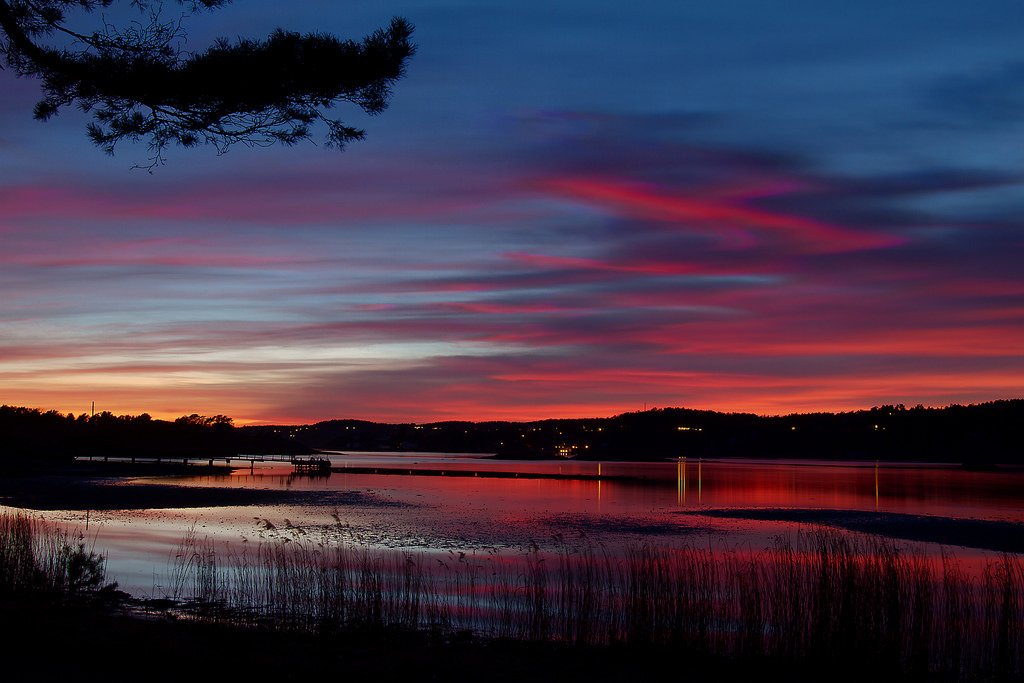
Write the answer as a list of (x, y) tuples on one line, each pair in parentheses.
[(640, 488), (658, 503)]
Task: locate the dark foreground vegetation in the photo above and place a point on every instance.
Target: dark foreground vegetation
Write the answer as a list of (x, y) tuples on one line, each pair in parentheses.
[(824, 605), (979, 435), (39, 560), (824, 600)]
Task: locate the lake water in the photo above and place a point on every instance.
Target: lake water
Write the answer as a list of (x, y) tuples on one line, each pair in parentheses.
[(467, 509)]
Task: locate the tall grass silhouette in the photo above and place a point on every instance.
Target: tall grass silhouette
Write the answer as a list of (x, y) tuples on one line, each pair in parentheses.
[(36, 557), (818, 597)]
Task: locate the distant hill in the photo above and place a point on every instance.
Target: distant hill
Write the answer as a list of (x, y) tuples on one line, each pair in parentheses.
[(977, 435)]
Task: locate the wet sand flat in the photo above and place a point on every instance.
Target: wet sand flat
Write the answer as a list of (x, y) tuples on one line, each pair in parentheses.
[(999, 536)]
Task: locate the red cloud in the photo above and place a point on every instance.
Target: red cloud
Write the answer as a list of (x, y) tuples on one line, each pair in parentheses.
[(733, 224)]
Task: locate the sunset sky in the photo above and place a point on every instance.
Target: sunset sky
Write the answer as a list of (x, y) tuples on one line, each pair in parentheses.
[(571, 208)]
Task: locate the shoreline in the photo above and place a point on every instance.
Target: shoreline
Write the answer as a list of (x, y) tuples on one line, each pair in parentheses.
[(976, 534), (108, 488)]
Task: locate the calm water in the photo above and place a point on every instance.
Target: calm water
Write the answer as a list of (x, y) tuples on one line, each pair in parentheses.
[(658, 503)]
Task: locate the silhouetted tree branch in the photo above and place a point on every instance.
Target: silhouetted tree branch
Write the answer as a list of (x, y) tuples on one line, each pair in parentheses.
[(139, 83)]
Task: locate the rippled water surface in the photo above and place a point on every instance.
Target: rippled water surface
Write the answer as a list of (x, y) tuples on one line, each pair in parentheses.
[(462, 503)]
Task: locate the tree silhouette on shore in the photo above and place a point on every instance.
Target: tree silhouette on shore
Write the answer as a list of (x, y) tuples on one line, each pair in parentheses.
[(139, 83)]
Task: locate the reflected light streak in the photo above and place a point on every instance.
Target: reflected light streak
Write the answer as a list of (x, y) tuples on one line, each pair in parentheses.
[(681, 481)]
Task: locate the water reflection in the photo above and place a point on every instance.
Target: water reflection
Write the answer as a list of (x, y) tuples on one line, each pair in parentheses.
[(681, 481), (876, 486), (625, 487), (471, 503)]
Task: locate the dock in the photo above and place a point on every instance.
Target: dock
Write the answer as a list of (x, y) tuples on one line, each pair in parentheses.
[(304, 464), (313, 464)]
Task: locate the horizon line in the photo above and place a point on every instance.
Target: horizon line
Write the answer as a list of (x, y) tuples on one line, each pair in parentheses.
[(255, 423)]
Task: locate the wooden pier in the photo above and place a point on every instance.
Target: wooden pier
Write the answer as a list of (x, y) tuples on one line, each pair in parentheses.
[(304, 464)]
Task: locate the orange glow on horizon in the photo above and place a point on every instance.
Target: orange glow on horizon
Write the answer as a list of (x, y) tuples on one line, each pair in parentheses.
[(256, 414)]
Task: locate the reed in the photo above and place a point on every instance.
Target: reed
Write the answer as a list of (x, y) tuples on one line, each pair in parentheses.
[(819, 597), (36, 557)]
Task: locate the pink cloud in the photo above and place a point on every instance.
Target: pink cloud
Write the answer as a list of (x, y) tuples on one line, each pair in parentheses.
[(733, 224)]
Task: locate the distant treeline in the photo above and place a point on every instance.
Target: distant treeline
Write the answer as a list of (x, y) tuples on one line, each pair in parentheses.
[(33, 435), (975, 434), (979, 435)]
